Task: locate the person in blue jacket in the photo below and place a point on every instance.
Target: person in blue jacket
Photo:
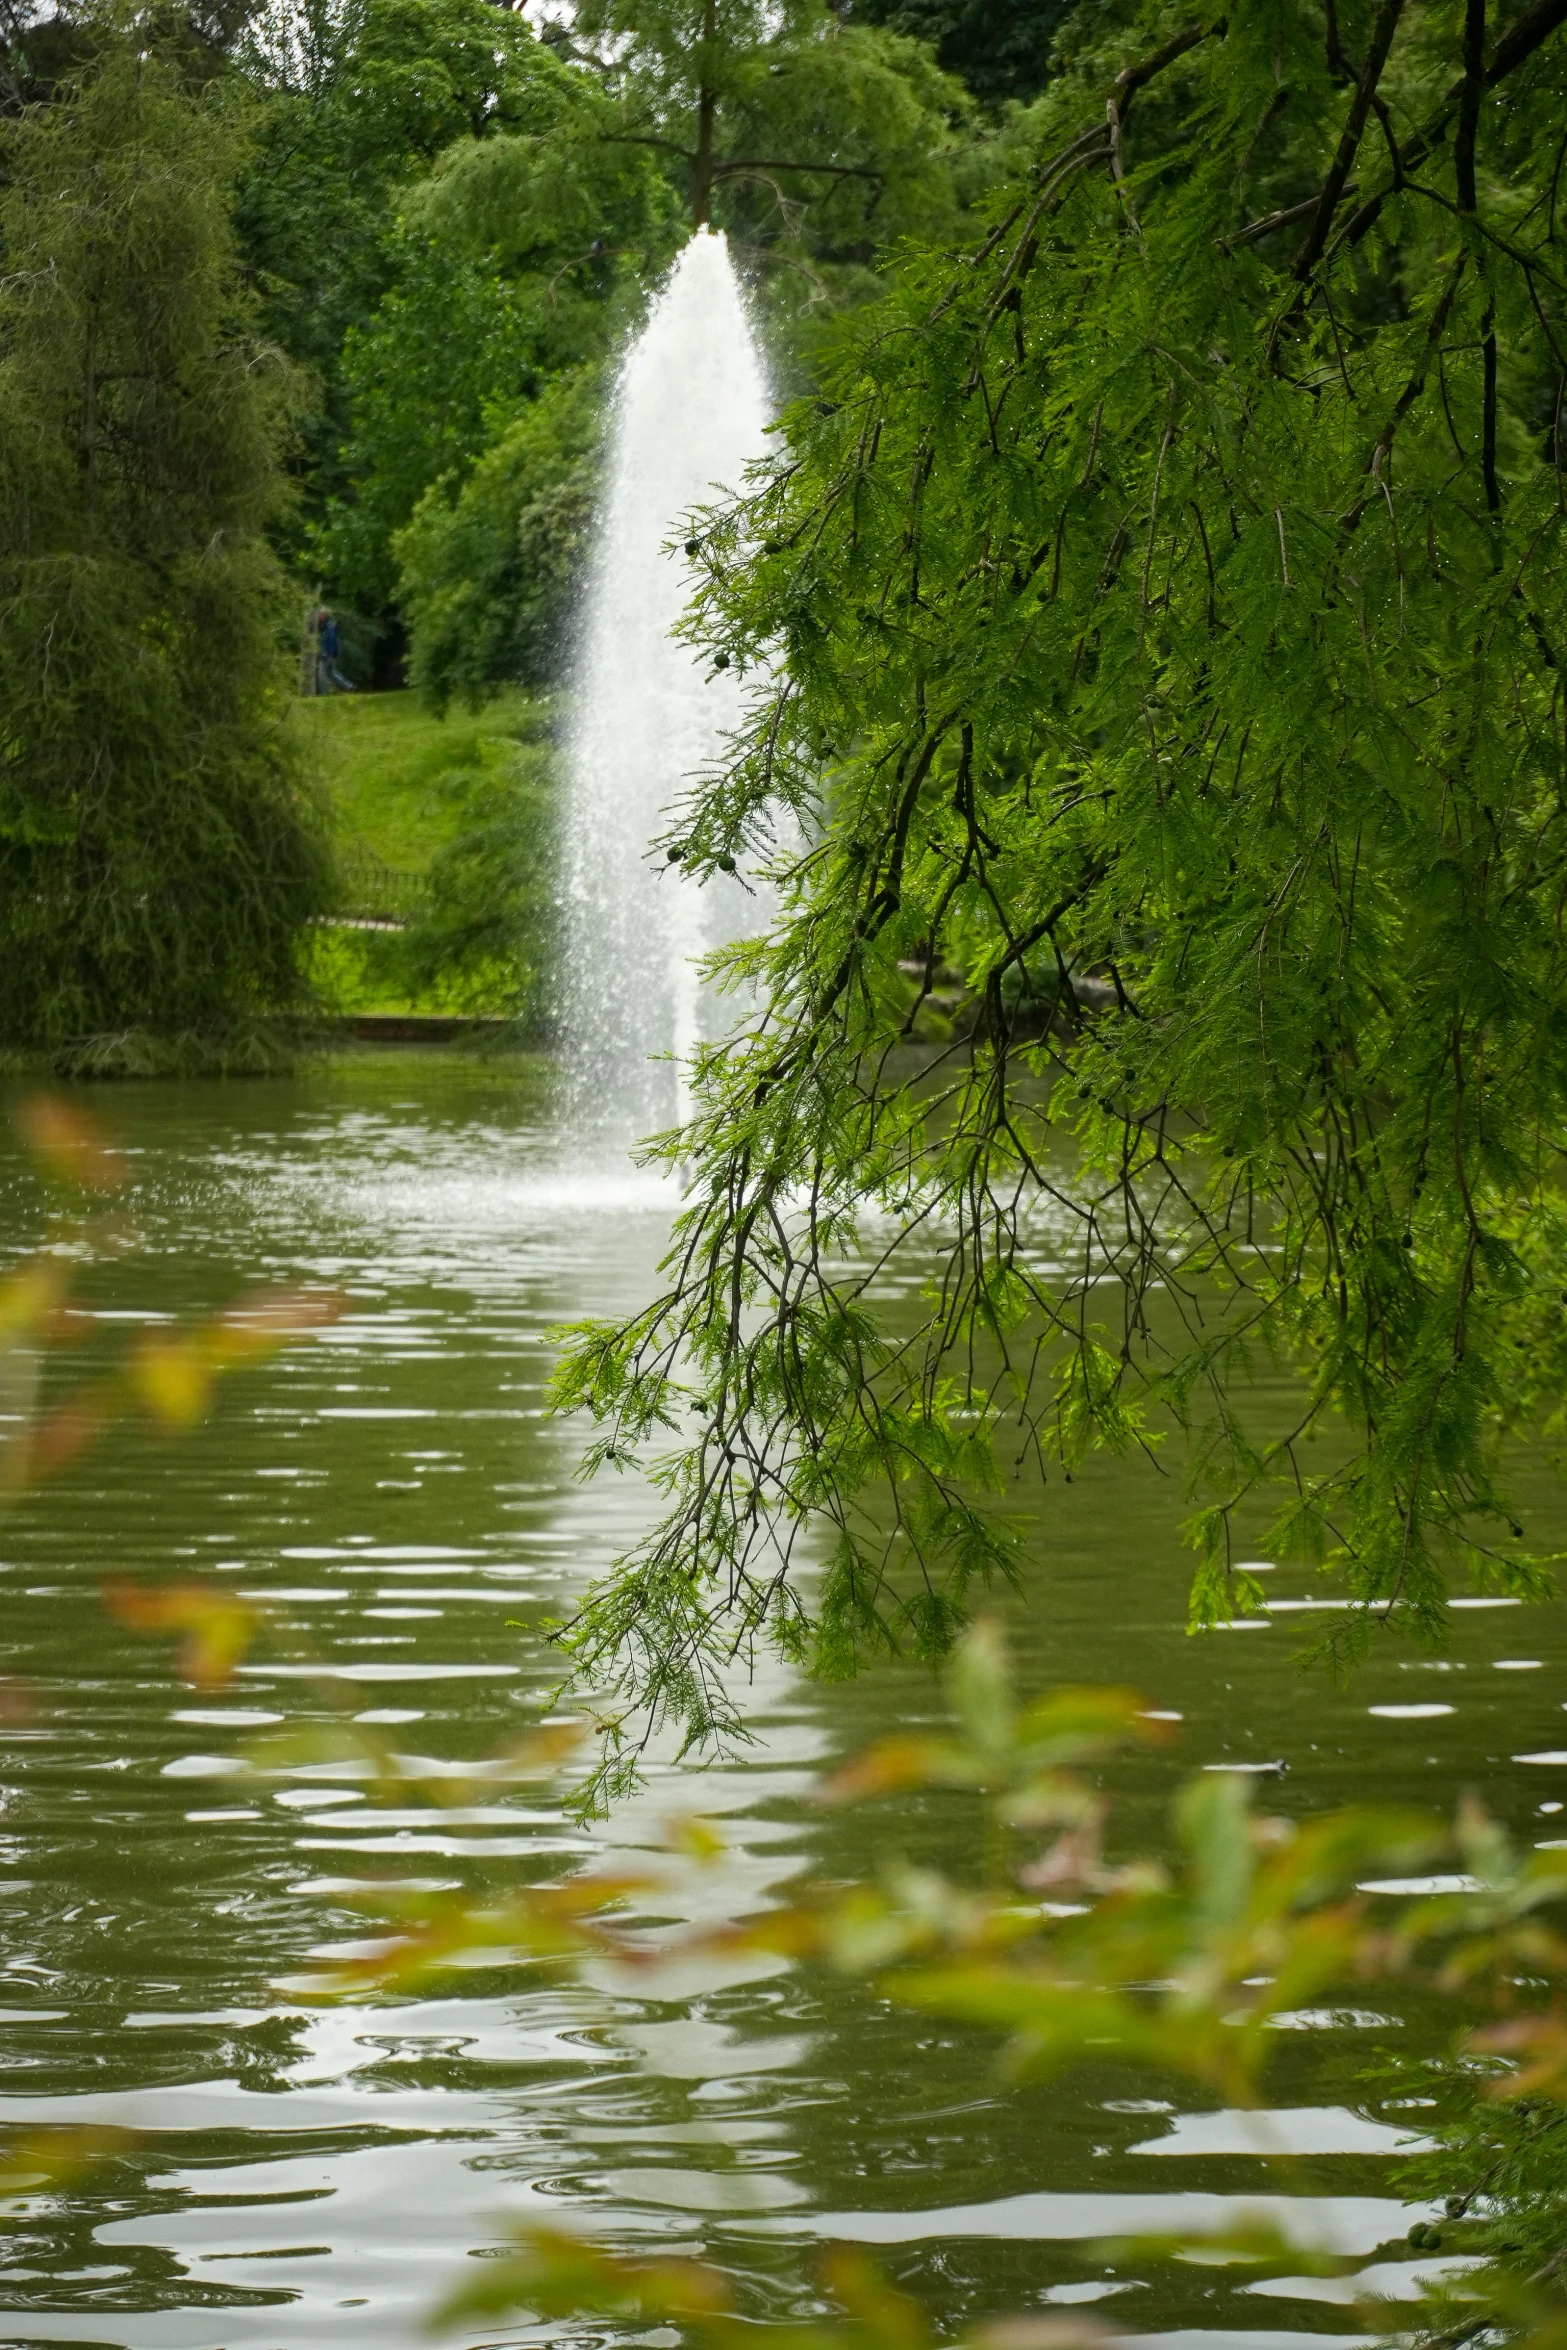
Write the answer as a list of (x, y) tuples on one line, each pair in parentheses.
[(329, 677)]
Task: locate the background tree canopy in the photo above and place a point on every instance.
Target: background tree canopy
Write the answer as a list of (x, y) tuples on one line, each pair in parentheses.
[(487, 576), (422, 344), (427, 231), (1156, 621), (800, 134), (815, 145), (446, 214)]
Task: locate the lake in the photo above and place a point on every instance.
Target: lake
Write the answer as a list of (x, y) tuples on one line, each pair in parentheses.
[(302, 2178)]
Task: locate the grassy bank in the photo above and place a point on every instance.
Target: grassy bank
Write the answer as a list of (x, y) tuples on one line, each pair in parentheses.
[(397, 778), (443, 822)]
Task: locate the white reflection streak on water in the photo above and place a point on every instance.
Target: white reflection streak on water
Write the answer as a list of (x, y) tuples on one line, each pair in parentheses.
[(379, 2210)]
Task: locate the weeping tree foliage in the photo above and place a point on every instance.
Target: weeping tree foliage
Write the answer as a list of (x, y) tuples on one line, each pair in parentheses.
[(156, 854), (1155, 627)]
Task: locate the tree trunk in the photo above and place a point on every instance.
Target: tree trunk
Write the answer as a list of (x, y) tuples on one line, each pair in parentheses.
[(87, 443), (706, 109)]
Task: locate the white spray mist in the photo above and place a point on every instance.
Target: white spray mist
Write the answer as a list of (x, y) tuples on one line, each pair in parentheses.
[(691, 411)]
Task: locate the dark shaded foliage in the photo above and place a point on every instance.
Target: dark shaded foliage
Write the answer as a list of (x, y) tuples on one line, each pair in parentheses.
[(999, 48)]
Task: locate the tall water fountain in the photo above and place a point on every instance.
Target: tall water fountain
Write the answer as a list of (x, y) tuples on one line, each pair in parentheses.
[(690, 414)]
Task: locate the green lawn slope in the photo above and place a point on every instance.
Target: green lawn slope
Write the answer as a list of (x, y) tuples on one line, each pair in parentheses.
[(396, 777), (400, 785)]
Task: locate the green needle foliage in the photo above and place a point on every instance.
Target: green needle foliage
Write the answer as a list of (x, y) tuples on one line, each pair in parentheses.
[(157, 855), (1155, 627)]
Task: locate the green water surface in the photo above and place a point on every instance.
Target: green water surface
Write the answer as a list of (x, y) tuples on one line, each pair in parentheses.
[(302, 2178)]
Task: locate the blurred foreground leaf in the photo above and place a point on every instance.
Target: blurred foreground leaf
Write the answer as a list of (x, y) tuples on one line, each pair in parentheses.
[(217, 1626)]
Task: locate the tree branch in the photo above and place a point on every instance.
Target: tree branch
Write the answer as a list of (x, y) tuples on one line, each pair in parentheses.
[(855, 171), (1132, 78), (1333, 187), (645, 139), (1410, 393), (1520, 40), (1469, 103), (1518, 43), (1274, 220)]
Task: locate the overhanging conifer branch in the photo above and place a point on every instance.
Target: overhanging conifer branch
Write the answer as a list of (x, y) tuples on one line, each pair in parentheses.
[(1195, 814)]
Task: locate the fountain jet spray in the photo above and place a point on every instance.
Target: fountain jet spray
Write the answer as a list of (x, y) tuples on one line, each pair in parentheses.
[(690, 414)]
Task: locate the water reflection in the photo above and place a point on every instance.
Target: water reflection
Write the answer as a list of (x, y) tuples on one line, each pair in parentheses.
[(303, 2179)]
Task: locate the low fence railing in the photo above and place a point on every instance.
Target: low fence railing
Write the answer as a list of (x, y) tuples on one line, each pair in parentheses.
[(371, 891)]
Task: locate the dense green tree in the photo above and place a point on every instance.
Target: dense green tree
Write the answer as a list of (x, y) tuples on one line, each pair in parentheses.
[(487, 579), (354, 104), (45, 45), (509, 284), (805, 137), (815, 144), (1157, 625), (156, 855), (445, 357), (419, 351)]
